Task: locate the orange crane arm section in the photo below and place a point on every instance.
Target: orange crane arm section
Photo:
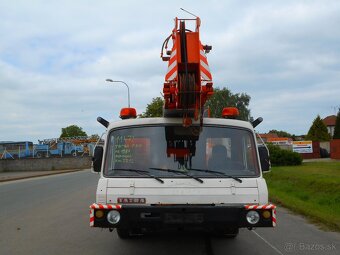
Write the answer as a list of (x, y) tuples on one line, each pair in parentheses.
[(188, 81)]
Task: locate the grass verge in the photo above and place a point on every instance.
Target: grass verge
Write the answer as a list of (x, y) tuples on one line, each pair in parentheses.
[(312, 189)]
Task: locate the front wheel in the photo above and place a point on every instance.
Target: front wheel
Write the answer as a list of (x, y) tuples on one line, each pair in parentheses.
[(231, 233), (228, 233), (123, 233)]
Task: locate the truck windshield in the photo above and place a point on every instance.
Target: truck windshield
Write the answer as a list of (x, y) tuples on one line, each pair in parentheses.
[(208, 151)]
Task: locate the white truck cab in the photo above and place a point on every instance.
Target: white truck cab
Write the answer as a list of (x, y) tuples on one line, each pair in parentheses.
[(156, 175)]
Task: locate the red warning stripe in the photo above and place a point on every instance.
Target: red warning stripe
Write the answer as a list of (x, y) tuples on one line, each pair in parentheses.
[(205, 70), (173, 57), (172, 66), (91, 217), (206, 75), (103, 207), (106, 207), (274, 217), (264, 207), (260, 207), (203, 57), (171, 74)]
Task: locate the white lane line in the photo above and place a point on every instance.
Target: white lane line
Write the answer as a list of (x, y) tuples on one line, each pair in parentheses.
[(272, 246)]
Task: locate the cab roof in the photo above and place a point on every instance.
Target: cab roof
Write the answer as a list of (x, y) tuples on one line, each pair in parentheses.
[(179, 121)]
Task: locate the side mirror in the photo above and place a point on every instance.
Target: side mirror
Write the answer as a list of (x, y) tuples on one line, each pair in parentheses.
[(256, 122), (97, 159), (264, 158)]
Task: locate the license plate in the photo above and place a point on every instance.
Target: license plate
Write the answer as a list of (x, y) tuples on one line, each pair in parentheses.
[(184, 218)]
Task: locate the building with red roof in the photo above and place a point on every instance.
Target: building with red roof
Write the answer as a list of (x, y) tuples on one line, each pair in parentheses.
[(330, 123)]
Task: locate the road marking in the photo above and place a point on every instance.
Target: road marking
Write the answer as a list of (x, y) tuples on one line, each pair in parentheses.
[(272, 246)]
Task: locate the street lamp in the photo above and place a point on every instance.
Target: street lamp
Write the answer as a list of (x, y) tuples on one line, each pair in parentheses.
[(109, 80)]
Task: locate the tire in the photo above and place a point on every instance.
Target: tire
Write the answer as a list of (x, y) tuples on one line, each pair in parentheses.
[(123, 233), (232, 234), (227, 233), (74, 153), (38, 155)]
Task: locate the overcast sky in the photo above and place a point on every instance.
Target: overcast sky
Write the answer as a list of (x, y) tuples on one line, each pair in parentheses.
[(56, 55)]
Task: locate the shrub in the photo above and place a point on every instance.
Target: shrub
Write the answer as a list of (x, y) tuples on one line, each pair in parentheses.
[(280, 157)]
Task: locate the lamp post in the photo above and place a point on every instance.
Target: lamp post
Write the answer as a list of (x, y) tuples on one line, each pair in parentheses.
[(109, 80)]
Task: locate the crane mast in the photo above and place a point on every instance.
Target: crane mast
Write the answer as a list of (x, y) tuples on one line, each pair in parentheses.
[(188, 81)]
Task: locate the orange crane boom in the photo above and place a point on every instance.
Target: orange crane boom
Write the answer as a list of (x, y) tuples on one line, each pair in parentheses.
[(188, 81)]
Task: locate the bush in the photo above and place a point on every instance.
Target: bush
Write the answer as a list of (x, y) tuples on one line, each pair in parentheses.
[(280, 157)]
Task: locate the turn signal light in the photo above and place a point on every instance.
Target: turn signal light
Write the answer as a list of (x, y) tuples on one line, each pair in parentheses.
[(99, 214), (266, 214)]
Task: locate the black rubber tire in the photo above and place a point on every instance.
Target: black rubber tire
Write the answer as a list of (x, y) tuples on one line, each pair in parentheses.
[(123, 233), (230, 233)]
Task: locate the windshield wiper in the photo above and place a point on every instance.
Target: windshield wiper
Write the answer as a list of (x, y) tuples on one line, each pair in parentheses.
[(216, 172), (141, 172), (177, 172)]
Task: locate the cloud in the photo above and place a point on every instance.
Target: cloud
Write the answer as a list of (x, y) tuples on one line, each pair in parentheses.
[(55, 57)]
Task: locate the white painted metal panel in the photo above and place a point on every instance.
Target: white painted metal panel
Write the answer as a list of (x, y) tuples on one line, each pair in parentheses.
[(184, 191)]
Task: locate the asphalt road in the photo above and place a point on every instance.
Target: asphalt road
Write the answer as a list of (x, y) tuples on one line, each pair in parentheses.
[(50, 215)]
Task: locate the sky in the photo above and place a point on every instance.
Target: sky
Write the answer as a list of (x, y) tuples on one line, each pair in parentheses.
[(56, 55)]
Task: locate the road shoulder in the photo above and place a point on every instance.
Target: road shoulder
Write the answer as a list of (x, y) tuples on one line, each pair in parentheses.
[(13, 176)]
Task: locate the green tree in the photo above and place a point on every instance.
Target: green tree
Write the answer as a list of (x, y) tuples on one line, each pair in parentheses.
[(220, 99), (318, 131), (94, 137), (337, 126), (281, 133), (154, 109), (72, 131), (225, 98)]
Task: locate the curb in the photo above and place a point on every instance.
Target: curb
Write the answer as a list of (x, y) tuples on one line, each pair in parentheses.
[(40, 175)]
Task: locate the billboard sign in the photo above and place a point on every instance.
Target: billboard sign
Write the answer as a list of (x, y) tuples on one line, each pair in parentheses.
[(303, 146)]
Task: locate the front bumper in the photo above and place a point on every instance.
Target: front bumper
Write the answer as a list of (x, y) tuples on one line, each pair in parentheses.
[(191, 217)]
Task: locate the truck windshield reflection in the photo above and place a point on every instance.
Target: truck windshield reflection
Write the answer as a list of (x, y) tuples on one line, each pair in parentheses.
[(208, 151)]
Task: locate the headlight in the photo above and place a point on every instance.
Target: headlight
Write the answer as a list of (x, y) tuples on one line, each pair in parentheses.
[(253, 217), (113, 217)]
